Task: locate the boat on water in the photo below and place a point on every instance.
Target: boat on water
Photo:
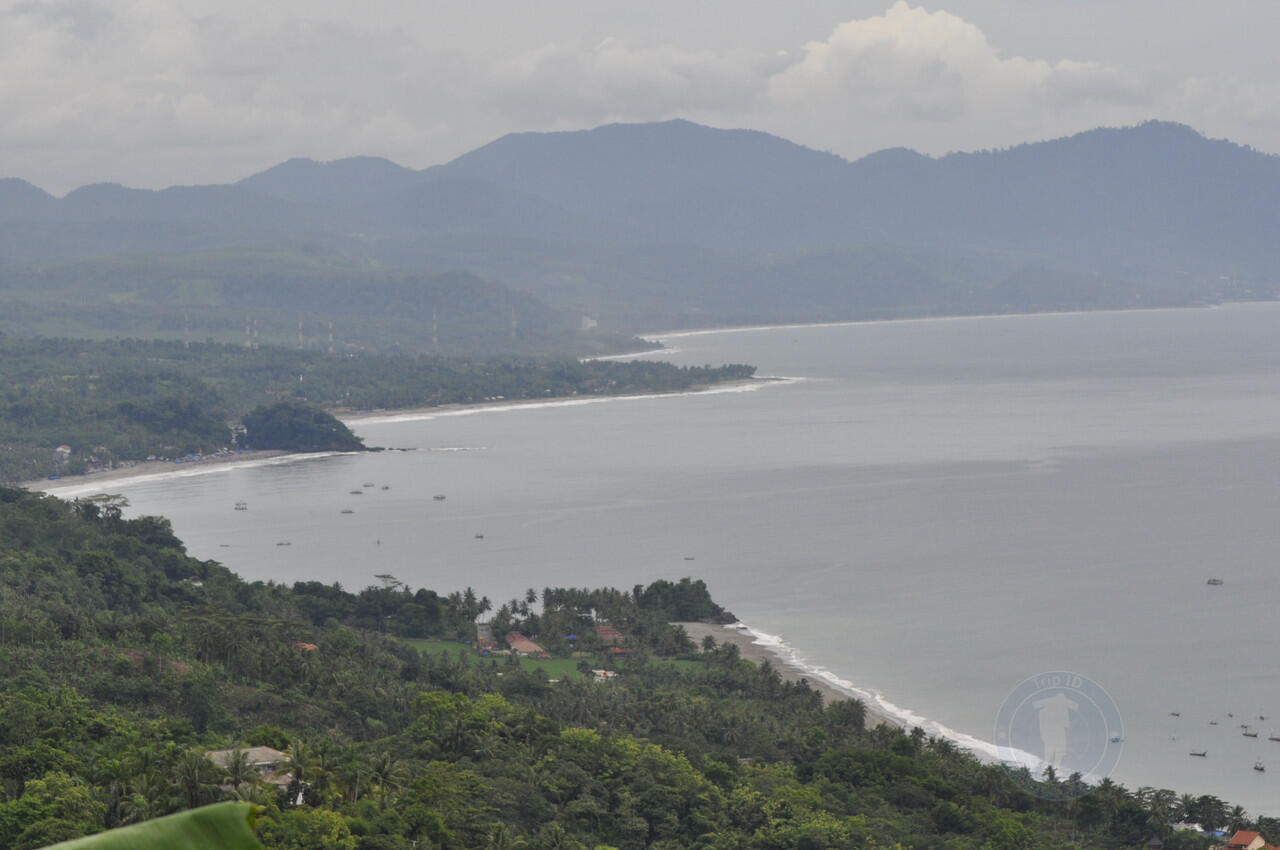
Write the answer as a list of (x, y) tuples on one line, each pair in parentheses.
[(386, 486), (367, 484), (1116, 739), (1213, 723), (479, 537), (242, 506), (1273, 737), (1199, 753), (439, 497), (1215, 582), (1249, 734), (284, 543), (346, 511), (688, 557), (1258, 766), (1175, 714), (356, 492)]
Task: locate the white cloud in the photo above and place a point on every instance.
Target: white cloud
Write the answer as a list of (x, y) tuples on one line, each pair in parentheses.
[(152, 92)]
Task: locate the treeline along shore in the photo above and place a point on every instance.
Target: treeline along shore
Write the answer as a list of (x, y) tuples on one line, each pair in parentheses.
[(75, 406), (137, 681)]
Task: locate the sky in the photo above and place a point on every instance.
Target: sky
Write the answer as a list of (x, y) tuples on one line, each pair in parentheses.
[(151, 93)]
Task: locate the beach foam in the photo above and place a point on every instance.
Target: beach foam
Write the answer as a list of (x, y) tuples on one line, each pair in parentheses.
[(793, 658), (89, 486), (474, 410)]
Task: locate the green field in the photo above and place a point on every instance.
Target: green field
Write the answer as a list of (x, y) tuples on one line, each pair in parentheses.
[(554, 668)]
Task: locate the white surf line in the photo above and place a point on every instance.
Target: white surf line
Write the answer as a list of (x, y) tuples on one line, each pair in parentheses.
[(661, 336), (89, 486), (878, 703), (751, 385)]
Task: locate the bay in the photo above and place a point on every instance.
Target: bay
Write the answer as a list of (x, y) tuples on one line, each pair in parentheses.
[(928, 512)]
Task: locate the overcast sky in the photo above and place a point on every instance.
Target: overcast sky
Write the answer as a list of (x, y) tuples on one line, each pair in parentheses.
[(156, 92)]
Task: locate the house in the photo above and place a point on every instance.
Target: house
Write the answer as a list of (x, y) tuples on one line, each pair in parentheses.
[(602, 675), (521, 645), (1245, 839), (609, 634), (269, 763)]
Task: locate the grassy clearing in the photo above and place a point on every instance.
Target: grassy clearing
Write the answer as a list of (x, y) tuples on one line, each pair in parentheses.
[(554, 668)]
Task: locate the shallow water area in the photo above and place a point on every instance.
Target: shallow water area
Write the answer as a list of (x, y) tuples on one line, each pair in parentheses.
[(938, 510)]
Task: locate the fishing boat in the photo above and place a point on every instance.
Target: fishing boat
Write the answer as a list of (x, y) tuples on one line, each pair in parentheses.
[(1213, 723), (1175, 714), (479, 537), (1215, 582), (356, 492), (439, 497), (242, 506), (346, 511), (386, 486), (1258, 766), (1273, 737), (1249, 734), (284, 543), (1199, 753), (367, 484)]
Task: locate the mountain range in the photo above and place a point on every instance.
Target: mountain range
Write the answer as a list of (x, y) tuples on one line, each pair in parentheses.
[(675, 224)]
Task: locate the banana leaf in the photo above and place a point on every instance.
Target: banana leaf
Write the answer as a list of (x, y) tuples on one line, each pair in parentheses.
[(222, 826)]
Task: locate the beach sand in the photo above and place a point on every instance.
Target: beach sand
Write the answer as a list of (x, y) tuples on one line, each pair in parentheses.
[(756, 653), (143, 468)]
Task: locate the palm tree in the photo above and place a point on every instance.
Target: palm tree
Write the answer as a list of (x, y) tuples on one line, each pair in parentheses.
[(239, 769), (194, 778)]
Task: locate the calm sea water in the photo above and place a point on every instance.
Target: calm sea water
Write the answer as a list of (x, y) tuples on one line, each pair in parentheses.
[(933, 512)]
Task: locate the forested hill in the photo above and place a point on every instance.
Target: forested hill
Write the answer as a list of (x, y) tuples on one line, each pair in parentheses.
[(653, 225), (123, 400), (124, 663)]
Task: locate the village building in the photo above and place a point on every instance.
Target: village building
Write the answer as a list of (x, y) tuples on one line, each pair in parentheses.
[(1245, 839), (269, 763), (521, 645)]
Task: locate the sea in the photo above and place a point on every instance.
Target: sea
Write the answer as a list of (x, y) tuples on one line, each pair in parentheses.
[(924, 513)]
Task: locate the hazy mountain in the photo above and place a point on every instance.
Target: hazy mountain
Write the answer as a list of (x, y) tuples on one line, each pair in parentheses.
[(339, 183), (675, 223)]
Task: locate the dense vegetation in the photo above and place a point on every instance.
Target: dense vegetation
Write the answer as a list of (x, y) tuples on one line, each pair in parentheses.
[(297, 427), (124, 661), (129, 399)]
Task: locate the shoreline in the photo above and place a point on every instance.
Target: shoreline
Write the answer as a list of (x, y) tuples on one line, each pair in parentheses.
[(168, 469), (755, 651), (150, 468)]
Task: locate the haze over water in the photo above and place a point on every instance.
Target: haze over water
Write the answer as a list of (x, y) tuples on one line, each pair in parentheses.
[(938, 510)]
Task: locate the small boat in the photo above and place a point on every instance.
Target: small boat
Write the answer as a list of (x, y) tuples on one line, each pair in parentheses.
[(1175, 714), (1273, 737), (242, 506), (356, 492), (346, 511), (1258, 766), (367, 484), (284, 543), (688, 557), (479, 537), (1213, 723), (224, 545), (1214, 582), (1249, 734), (1116, 739), (439, 497), (1199, 753), (386, 486)]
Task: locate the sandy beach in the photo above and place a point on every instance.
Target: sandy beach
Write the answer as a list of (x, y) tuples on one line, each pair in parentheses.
[(145, 468), (756, 653)]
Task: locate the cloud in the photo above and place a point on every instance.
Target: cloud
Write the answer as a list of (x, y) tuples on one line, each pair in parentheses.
[(152, 92)]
